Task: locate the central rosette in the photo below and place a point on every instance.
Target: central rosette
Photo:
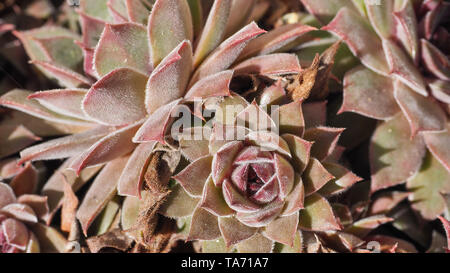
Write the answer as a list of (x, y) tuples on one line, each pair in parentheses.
[(254, 176)]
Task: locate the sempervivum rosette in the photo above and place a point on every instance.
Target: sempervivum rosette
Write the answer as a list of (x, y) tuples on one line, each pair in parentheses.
[(20, 230), (404, 81), (253, 181), (133, 66)]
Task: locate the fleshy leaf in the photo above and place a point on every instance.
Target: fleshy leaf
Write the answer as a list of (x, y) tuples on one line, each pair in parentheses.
[(423, 114), (114, 145), (130, 182), (236, 200), (283, 229), (194, 142), (62, 101), (117, 98), (318, 215), (295, 199), (362, 227), (315, 176), (17, 99), (100, 192), (255, 118), (130, 212), (204, 226), (223, 159), (369, 94), (273, 64), (212, 86), (407, 28), (285, 174), (427, 188), (227, 52), (26, 181), (137, 12), (380, 16), (92, 29), (438, 143), (239, 15), (403, 68), (122, 45), (325, 10), (360, 38), (263, 216), (256, 244), (343, 180), (275, 40), (394, 157), (384, 202), (50, 240), (234, 231), (15, 232), (179, 203), (194, 176), (314, 113), (67, 146), (69, 207), (20, 212), (435, 61), (64, 76), (213, 201), (213, 31), (446, 224), (164, 33), (325, 140), (15, 138), (169, 79), (290, 118)]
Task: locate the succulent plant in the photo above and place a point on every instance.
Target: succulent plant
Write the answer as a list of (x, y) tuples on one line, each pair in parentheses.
[(125, 76), (20, 217), (403, 82)]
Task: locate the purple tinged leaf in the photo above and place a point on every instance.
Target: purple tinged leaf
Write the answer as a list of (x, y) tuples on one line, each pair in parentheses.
[(360, 38), (213, 200), (255, 118), (325, 140), (117, 98), (343, 180), (325, 10), (7, 195), (314, 113), (428, 187), (285, 174), (155, 126), (270, 141), (227, 52), (295, 200), (130, 182), (204, 226), (120, 46), (195, 175), (169, 79), (38, 203), (407, 29), (137, 12), (212, 86), (17, 99), (384, 202), (233, 231), (237, 200), (16, 233), (272, 95), (213, 31), (166, 34), (26, 181), (369, 94), (88, 62), (440, 90), (256, 244), (394, 156), (438, 143), (100, 192), (318, 215), (9, 168), (194, 142), (315, 176), (179, 203), (64, 76), (362, 227), (275, 40), (110, 147), (380, 16), (291, 120), (283, 229), (15, 138), (239, 15), (91, 28), (62, 101), (63, 147), (97, 9), (20, 212), (434, 17), (263, 216), (423, 114), (403, 68), (273, 64), (118, 11), (446, 224), (435, 61), (223, 161)]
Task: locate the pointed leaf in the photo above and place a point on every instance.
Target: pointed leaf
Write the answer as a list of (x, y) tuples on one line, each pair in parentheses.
[(15, 232), (169, 80), (223, 159), (256, 244), (137, 12), (194, 176), (26, 181), (234, 231), (315, 176), (435, 61), (283, 229), (407, 28), (295, 200), (300, 151), (318, 215), (15, 138), (263, 216), (179, 27), (64, 76), (438, 143), (178, 203), (194, 142), (204, 226), (343, 180), (273, 64), (325, 140), (394, 157), (380, 16), (360, 38), (325, 10), (291, 119), (362, 227)]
